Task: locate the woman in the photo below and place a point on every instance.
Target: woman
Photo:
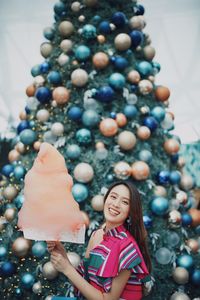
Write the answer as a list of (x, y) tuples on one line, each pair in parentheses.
[(117, 262)]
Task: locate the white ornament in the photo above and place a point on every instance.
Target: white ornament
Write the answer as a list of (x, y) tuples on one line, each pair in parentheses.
[(57, 129), (42, 115), (39, 81), (63, 59), (32, 103)]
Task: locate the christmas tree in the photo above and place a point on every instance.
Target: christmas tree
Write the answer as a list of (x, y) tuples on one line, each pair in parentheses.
[(94, 97)]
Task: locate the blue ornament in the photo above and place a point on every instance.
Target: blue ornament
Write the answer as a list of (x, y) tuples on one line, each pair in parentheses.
[(22, 125), (186, 219), (150, 122), (134, 88), (54, 78), (144, 68), (195, 277), (82, 53), (39, 249), (156, 67), (197, 229), (90, 118), (117, 81), (174, 158), (118, 19), (89, 32), (19, 172), (104, 27), (130, 111), (163, 177), (96, 19), (113, 115), (7, 269), (84, 136), (27, 280), (105, 94), (73, 151), (43, 94), (145, 155), (185, 261), (28, 136), (175, 177), (158, 113), (136, 38), (27, 110), (75, 113), (120, 63), (44, 67), (49, 33), (80, 192), (159, 206), (147, 221), (35, 71), (139, 10), (109, 178), (7, 170), (3, 252), (59, 8), (18, 292), (19, 200), (32, 123)]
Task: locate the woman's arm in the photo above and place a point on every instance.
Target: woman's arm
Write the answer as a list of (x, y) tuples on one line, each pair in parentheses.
[(63, 265)]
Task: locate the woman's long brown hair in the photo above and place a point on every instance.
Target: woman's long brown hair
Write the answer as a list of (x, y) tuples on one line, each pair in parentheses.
[(137, 228)]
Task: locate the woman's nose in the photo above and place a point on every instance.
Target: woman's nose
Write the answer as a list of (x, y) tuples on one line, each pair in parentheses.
[(116, 202)]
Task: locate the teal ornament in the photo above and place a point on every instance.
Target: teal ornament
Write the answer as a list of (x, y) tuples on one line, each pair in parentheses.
[(172, 239), (145, 155), (158, 113), (27, 280), (19, 172), (89, 32), (3, 252), (73, 151), (18, 293), (83, 136), (48, 33), (163, 256), (82, 53), (144, 68), (159, 206), (90, 118), (32, 123), (117, 81), (109, 178), (195, 278), (39, 249), (80, 192), (28, 137), (35, 71), (185, 261), (54, 77), (19, 200)]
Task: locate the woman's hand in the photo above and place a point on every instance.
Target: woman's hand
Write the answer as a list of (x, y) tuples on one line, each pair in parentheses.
[(60, 261), (56, 246)]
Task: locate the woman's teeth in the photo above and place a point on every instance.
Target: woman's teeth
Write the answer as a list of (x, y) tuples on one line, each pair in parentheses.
[(113, 211)]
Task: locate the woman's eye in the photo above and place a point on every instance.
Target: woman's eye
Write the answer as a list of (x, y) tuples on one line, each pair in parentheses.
[(126, 202), (113, 197)]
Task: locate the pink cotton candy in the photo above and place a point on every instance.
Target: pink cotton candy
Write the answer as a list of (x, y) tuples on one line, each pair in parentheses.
[(49, 211)]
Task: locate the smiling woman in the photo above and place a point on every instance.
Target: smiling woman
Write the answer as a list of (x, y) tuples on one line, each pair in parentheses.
[(117, 263)]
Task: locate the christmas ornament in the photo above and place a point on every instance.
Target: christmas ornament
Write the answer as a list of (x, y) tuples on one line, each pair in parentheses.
[(3, 252), (151, 123), (121, 119), (175, 177), (27, 280), (74, 259), (90, 118), (61, 95), (80, 192), (147, 221), (186, 219), (39, 249), (83, 172), (162, 93), (145, 155), (195, 214), (163, 177), (179, 296), (73, 151), (185, 261), (74, 113), (173, 238), (66, 28), (10, 192), (122, 170), (21, 246), (119, 19), (48, 33), (130, 111), (89, 32), (83, 136), (66, 45), (117, 81), (159, 206), (57, 129), (82, 53), (187, 182), (37, 288), (79, 77), (133, 76), (7, 269), (19, 172), (137, 22), (140, 170), (136, 38), (48, 271), (160, 191), (120, 63), (193, 245), (143, 132), (163, 256), (149, 52), (145, 87), (45, 49), (180, 275), (195, 278), (158, 113), (7, 170), (43, 95), (126, 140), (97, 203), (108, 127), (144, 68), (122, 42), (100, 60), (104, 27), (22, 125), (105, 94), (30, 90), (171, 146), (42, 115)]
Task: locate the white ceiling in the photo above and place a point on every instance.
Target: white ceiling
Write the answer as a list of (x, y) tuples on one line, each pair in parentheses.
[(174, 28)]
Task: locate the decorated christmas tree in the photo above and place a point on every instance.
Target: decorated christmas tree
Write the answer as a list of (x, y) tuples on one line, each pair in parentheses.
[(94, 97)]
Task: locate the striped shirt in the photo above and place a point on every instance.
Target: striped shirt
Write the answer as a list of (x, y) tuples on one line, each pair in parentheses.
[(117, 251)]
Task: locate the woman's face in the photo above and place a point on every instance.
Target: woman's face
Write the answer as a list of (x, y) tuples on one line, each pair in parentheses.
[(117, 205)]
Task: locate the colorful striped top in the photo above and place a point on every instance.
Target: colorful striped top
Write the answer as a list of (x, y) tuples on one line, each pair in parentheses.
[(117, 251)]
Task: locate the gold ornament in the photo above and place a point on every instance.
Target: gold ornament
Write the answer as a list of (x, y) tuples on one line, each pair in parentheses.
[(149, 52), (66, 45), (122, 170), (101, 39), (180, 275), (13, 155), (20, 147), (66, 28), (121, 120), (126, 140), (98, 203), (61, 95), (122, 42), (171, 146), (99, 145), (74, 259), (133, 77), (83, 172), (186, 182), (46, 49), (49, 271), (179, 296), (9, 214), (37, 288), (100, 60), (10, 192), (22, 115), (160, 191), (140, 170), (79, 77), (21, 246), (143, 133), (37, 145)]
